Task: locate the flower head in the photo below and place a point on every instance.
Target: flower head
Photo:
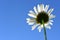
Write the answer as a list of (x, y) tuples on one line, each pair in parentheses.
[(40, 13)]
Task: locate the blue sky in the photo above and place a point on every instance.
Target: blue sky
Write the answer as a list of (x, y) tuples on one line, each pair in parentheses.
[(13, 14)]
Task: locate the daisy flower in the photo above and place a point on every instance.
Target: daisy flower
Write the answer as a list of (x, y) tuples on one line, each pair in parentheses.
[(40, 15)]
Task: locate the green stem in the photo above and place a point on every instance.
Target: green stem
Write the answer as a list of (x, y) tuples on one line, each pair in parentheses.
[(45, 36)]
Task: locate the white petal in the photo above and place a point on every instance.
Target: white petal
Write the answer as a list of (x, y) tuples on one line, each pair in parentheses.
[(27, 18), (30, 19), (46, 8), (51, 20), (32, 12), (34, 26), (39, 28), (51, 23), (46, 24), (42, 7), (35, 9), (50, 11), (38, 7), (30, 23), (32, 15), (51, 16), (48, 27)]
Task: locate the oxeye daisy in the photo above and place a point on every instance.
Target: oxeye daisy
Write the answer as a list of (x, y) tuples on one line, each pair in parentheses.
[(40, 14), (41, 18)]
